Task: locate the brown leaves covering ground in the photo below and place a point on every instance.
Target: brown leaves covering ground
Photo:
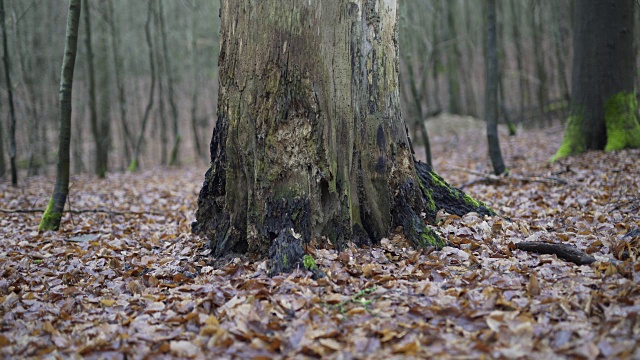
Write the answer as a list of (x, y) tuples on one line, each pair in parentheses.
[(109, 286)]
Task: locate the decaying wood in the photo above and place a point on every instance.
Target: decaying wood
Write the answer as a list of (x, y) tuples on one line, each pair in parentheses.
[(563, 251)]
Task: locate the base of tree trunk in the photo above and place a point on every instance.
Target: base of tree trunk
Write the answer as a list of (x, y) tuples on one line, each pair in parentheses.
[(287, 224)]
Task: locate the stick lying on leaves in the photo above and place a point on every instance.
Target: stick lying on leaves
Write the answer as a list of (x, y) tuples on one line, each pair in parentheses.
[(82, 211), (490, 178), (563, 251)]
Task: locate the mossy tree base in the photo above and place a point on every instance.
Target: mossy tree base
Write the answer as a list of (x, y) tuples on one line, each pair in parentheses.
[(310, 142), (51, 218), (603, 113)]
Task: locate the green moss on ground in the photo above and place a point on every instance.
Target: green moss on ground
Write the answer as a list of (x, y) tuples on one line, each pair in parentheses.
[(309, 262), (623, 129), (50, 219)]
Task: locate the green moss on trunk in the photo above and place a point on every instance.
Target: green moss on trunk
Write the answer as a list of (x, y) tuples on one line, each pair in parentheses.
[(573, 140), (50, 218), (623, 129)]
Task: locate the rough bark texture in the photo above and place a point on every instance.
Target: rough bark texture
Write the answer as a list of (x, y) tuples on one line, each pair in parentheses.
[(603, 112), (310, 142), (53, 213)]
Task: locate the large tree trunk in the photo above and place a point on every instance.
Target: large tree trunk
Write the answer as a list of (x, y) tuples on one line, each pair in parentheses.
[(603, 112), (310, 142)]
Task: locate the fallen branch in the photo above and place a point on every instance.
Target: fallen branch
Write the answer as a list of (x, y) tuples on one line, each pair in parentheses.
[(488, 178), (563, 251), (82, 211)]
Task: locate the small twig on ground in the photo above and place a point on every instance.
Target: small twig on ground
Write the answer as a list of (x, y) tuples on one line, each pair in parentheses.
[(563, 251), (490, 178), (82, 211)]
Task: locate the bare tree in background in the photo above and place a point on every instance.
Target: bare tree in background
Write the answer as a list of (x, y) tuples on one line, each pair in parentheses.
[(12, 112), (147, 111), (491, 93)]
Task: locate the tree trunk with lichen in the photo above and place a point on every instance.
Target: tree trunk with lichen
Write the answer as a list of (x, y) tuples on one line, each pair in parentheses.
[(603, 113), (310, 142)]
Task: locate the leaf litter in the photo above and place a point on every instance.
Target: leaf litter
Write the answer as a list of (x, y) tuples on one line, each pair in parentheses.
[(136, 284)]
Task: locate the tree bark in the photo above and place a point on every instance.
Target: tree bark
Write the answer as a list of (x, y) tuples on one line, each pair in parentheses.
[(175, 150), (491, 92), (53, 214), (524, 95), (453, 54), (538, 56), (127, 139), (309, 141), (12, 112), (94, 120), (603, 111), (147, 111)]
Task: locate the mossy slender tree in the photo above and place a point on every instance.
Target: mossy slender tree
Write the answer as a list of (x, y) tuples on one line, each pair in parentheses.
[(603, 111), (310, 142), (53, 213)]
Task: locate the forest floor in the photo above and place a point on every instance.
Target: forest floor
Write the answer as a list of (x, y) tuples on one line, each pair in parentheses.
[(134, 282)]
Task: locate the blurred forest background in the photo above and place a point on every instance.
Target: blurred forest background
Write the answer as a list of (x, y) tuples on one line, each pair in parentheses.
[(162, 55)]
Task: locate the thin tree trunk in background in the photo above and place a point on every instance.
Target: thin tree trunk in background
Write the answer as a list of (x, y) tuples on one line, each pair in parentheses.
[(53, 214), (127, 140), (12, 112), (436, 53), (3, 165), (175, 150), (103, 85), (472, 108), (147, 32), (453, 54), (162, 116), (560, 52), (538, 55), (77, 123), (417, 101), (502, 61), (93, 112), (522, 81), (491, 93), (29, 58), (195, 82)]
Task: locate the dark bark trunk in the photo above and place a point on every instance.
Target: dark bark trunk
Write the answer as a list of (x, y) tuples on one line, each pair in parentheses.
[(53, 214), (12, 112), (603, 111), (491, 93), (127, 138), (175, 150), (310, 142), (453, 55), (152, 88), (519, 59), (538, 56), (94, 119)]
